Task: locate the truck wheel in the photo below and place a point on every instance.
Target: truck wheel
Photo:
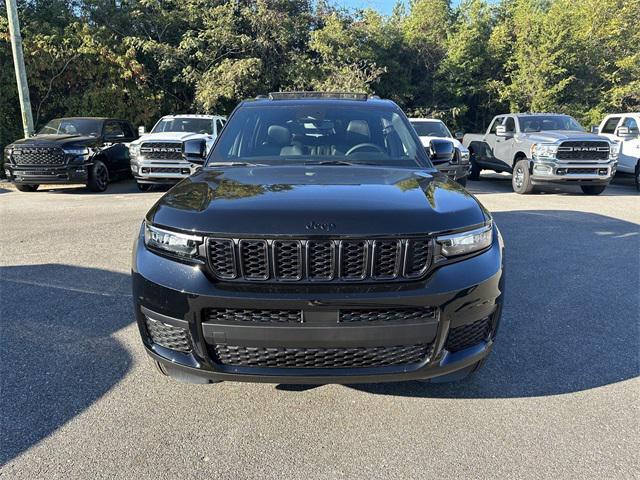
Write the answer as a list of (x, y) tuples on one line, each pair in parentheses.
[(593, 189), (521, 179), (98, 177), (474, 174), (26, 188), (638, 176), (144, 187)]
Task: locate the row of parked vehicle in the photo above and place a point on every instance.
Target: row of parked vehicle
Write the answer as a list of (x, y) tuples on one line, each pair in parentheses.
[(537, 148)]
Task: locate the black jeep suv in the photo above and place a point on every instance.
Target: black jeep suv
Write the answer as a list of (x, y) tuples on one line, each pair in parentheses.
[(317, 245), (71, 150)]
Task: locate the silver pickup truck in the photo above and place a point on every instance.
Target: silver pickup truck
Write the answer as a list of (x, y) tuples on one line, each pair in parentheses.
[(542, 148)]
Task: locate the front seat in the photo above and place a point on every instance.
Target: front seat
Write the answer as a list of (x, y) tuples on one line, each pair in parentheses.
[(279, 142)]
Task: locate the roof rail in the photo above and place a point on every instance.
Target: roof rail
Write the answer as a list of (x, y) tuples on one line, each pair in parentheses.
[(331, 95)]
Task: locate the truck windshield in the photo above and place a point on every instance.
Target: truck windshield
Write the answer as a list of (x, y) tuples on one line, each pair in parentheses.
[(431, 128), (543, 123), (72, 126), (319, 133), (189, 125)]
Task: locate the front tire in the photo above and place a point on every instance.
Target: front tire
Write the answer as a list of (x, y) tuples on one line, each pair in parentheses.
[(638, 176), (474, 173), (593, 189), (98, 177), (521, 179), (26, 188)]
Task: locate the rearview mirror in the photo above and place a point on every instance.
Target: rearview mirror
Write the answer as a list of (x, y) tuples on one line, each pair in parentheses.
[(459, 135), (194, 151), (595, 130), (441, 151)]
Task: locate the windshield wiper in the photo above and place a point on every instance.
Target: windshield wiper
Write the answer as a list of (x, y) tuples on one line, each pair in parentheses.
[(237, 164), (339, 162)]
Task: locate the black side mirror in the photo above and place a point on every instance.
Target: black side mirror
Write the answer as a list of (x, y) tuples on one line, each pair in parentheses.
[(194, 151), (441, 151)]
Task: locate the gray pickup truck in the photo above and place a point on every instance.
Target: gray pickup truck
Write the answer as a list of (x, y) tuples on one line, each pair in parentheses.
[(542, 148)]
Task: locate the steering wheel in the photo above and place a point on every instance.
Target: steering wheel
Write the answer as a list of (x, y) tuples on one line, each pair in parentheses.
[(364, 145)]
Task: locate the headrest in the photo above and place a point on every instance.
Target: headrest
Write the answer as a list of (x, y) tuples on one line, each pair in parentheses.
[(279, 135), (358, 126)]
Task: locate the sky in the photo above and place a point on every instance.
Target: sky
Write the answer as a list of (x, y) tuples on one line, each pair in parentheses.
[(383, 6)]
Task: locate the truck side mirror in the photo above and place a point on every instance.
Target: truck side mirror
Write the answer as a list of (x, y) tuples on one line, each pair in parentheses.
[(501, 131), (623, 132), (141, 130), (459, 135), (194, 151), (441, 151), (595, 130)]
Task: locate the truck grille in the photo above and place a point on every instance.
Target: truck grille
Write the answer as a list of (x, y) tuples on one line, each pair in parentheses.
[(468, 335), (161, 150), (168, 336), (583, 150), (352, 357), (38, 156), (246, 315), (387, 315), (319, 260)]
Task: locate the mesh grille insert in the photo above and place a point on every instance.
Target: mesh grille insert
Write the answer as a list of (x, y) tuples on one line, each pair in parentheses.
[(468, 335), (168, 336), (417, 257), (353, 259), (252, 316), (254, 260), (38, 156), (222, 258), (288, 260), (320, 357), (321, 260), (387, 315), (386, 258)]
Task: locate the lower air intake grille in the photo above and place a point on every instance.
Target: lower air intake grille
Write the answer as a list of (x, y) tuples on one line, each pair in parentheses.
[(168, 336), (320, 357), (468, 335), (252, 316), (387, 315)]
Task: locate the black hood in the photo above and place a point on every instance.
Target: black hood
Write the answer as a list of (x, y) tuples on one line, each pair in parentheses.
[(298, 200), (57, 141)]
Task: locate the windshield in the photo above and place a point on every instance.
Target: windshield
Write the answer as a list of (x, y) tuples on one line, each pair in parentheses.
[(542, 123), (189, 125), (316, 132), (72, 126), (431, 129)]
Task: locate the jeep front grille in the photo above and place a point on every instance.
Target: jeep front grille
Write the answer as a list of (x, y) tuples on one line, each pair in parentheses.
[(247, 315), (168, 336), (38, 156), (295, 260), (387, 314), (350, 357), (161, 150), (583, 150)]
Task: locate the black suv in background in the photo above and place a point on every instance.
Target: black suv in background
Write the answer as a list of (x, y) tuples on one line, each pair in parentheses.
[(71, 150), (318, 244)]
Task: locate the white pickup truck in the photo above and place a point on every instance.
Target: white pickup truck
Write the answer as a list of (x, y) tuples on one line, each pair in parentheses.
[(624, 128), (156, 157)]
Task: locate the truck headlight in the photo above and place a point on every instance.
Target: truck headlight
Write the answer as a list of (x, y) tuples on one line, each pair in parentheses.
[(134, 152), (544, 150), (174, 243), (76, 151), (614, 150), (466, 242), (464, 156)]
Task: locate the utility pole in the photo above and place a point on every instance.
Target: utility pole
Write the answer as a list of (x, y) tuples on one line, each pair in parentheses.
[(18, 62)]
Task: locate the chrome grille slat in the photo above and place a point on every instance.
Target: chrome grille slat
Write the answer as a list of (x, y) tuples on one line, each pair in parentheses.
[(322, 260)]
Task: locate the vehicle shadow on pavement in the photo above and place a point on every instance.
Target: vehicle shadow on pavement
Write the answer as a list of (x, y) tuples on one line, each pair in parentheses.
[(57, 353), (570, 320)]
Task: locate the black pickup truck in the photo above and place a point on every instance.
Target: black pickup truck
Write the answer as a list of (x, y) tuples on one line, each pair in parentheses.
[(85, 150), (318, 244)]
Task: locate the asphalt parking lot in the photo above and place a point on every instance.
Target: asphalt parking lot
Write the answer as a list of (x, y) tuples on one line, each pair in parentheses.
[(559, 398)]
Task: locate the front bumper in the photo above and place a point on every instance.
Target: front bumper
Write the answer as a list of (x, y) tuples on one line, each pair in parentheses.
[(65, 174), (176, 295), (454, 171), (161, 172), (582, 173)]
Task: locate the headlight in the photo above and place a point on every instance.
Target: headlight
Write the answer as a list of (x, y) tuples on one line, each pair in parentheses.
[(544, 150), (134, 151), (614, 150), (466, 242), (464, 156), (7, 153), (174, 243), (76, 151)]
